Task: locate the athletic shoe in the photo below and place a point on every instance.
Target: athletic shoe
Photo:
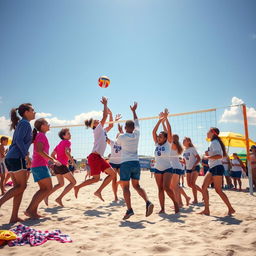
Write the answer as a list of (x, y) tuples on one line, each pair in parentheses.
[(128, 214), (149, 208)]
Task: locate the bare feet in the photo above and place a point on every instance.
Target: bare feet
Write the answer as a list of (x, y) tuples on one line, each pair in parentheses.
[(98, 194), (76, 189), (14, 220), (195, 202), (204, 212), (188, 200), (33, 215), (162, 212), (59, 201), (116, 199)]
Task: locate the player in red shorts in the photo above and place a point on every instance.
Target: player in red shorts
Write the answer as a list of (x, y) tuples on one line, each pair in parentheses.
[(95, 159)]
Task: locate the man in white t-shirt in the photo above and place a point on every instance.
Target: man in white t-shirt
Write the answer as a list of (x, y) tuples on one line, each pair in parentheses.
[(130, 167)]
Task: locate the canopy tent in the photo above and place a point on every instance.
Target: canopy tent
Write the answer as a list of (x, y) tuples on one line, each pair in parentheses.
[(237, 140), (9, 139), (231, 139)]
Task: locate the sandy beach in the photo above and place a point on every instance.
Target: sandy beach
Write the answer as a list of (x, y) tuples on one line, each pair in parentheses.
[(97, 228)]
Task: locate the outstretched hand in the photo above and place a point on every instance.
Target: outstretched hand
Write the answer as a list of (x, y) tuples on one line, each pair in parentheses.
[(104, 100), (161, 115), (120, 128), (118, 117), (134, 107)]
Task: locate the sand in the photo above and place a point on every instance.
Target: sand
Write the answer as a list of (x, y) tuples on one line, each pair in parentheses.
[(97, 228)]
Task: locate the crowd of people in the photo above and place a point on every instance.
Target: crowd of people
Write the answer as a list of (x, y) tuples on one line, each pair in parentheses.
[(173, 160)]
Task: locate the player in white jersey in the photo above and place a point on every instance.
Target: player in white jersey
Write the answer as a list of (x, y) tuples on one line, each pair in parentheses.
[(163, 168), (130, 167), (192, 160), (95, 159), (215, 153)]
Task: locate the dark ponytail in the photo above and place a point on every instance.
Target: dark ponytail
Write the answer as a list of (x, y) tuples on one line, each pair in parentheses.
[(216, 133), (21, 110), (88, 122), (38, 123)]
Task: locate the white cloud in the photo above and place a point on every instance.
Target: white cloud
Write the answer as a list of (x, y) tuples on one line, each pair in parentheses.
[(54, 121), (4, 126), (235, 115)]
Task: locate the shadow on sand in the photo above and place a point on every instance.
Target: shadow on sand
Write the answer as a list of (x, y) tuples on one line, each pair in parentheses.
[(134, 224), (228, 220), (97, 213)]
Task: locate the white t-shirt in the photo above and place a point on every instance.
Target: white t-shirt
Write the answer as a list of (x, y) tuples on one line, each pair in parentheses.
[(100, 137), (190, 157), (225, 163), (129, 143), (162, 156), (115, 157), (175, 161), (236, 168), (215, 149)]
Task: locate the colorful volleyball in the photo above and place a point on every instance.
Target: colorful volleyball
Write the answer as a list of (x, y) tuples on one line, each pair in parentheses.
[(104, 81)]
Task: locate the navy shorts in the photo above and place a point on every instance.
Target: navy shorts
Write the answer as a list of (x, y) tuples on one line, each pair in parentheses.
[(217, 170), (117, 166), (130, 170), (169, 170), (236, 174), (197, 169), (15, 164), (177, 171), (40, 173)]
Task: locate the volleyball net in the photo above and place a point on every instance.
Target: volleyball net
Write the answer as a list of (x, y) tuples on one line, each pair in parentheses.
[(190, 124)]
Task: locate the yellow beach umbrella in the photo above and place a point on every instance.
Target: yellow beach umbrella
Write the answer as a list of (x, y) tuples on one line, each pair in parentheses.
[(9, 139), (232, 139)]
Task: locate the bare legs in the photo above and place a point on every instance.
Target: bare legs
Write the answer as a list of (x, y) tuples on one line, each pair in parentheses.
[(217, 180), (95, 178), (72, 182), (45, 186), (19, 179), (191, 180)]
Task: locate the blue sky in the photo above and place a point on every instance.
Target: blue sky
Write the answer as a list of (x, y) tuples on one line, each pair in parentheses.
[(184, 55)]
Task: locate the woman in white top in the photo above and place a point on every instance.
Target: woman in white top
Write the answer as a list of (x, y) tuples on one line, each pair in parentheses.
[(95, 159), (214, 154), (163, 167), (175, 152), (192, 160), (236, 171)]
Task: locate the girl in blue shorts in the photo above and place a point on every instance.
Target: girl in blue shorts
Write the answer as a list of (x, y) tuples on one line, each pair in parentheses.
[(215, 153)]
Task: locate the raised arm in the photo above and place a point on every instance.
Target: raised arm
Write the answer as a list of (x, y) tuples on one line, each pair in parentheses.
[(104, 101), (154, 132), (111, 125), (133, 109), (168, 126)]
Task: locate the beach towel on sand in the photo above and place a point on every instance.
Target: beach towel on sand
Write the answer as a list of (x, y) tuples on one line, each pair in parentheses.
[(33, 237)]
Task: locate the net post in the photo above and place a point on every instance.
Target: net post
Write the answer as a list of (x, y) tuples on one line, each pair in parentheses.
[(247, 148)]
